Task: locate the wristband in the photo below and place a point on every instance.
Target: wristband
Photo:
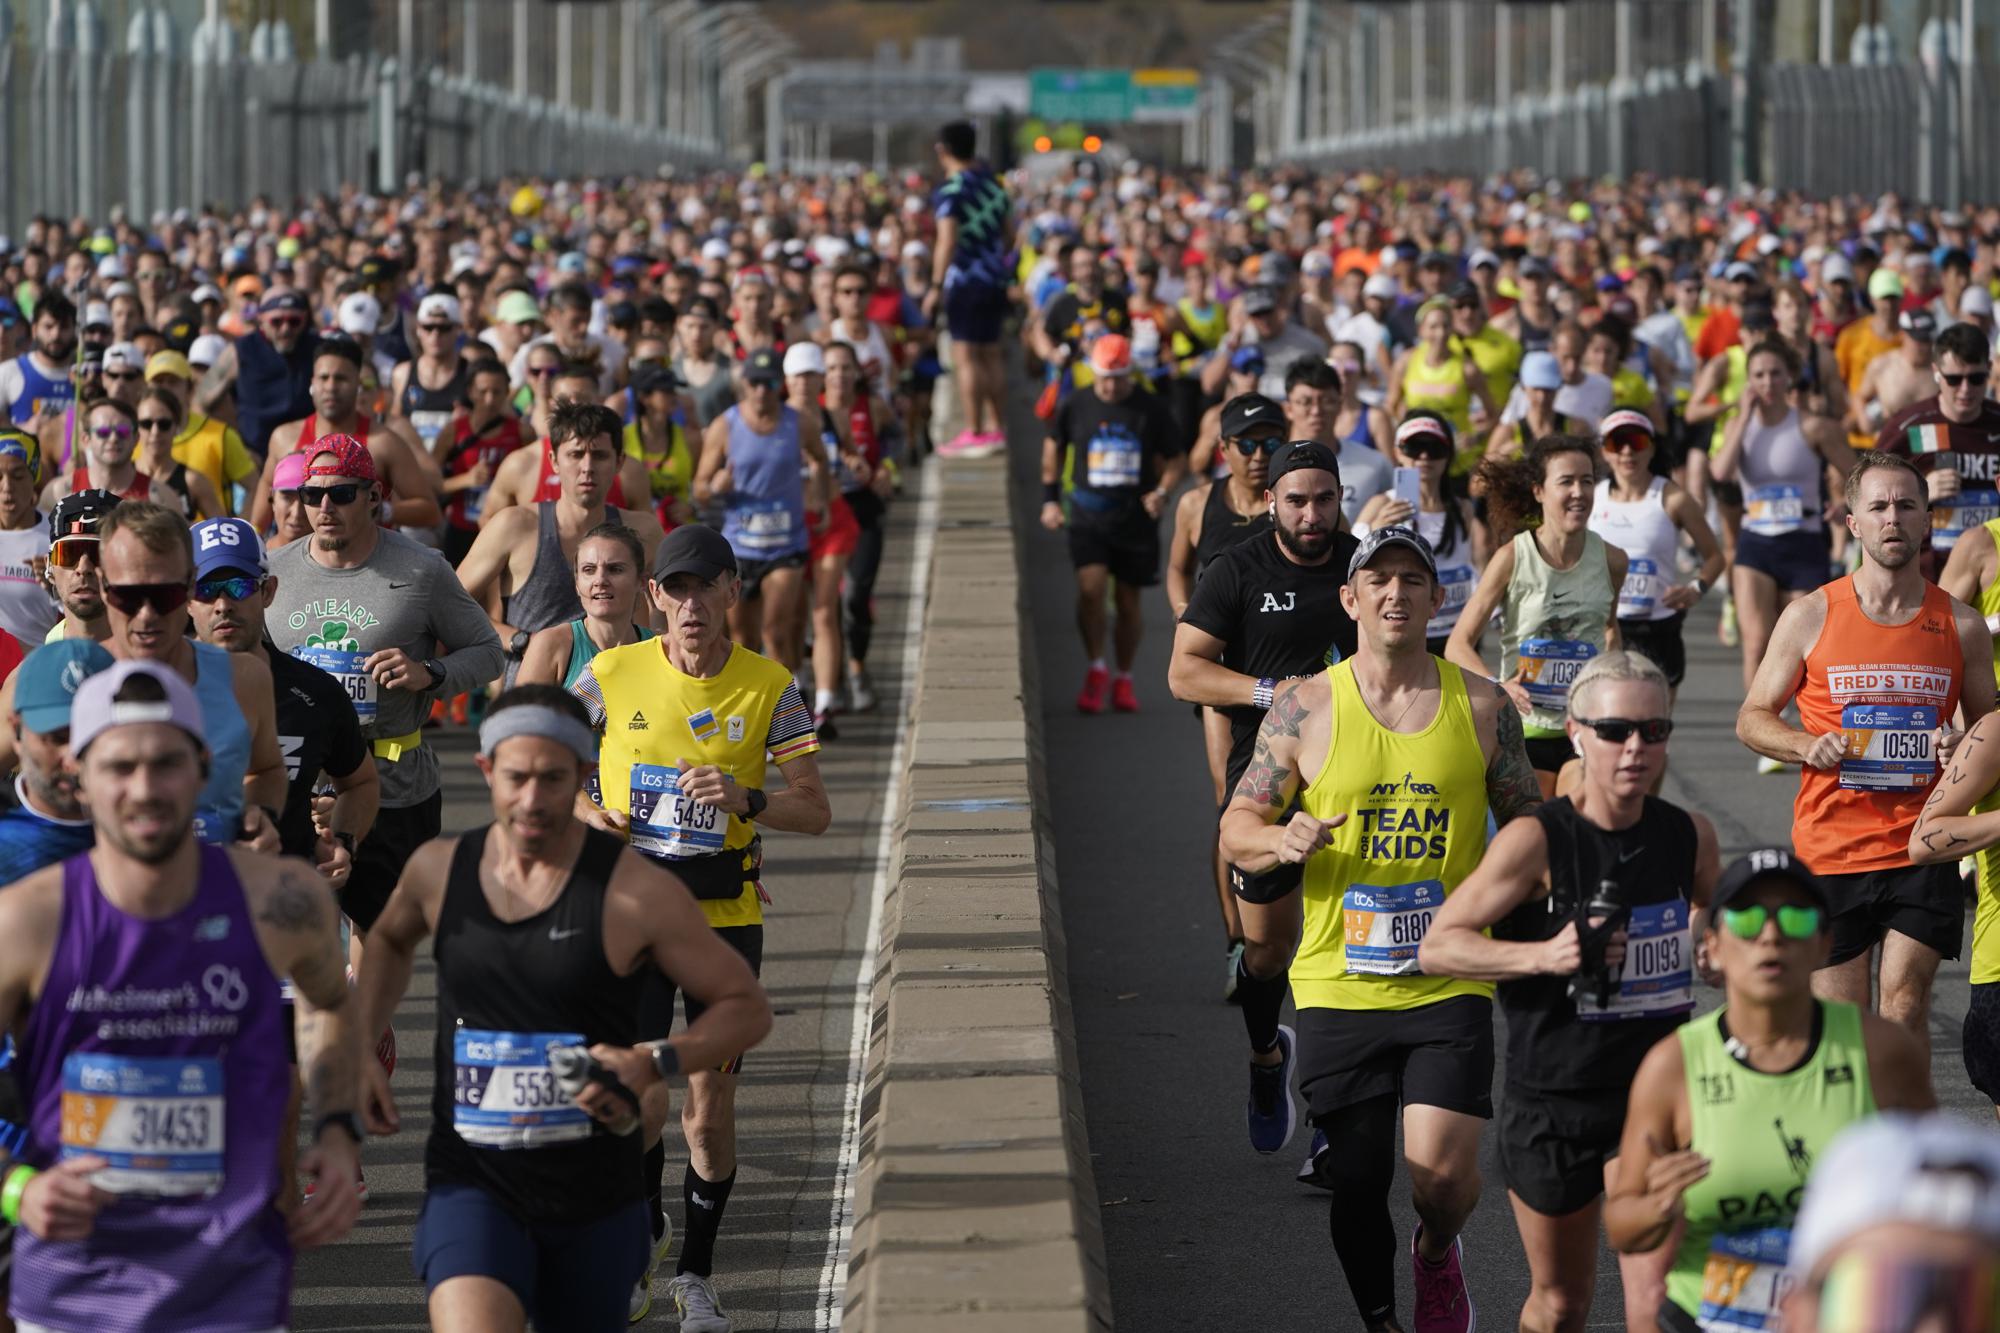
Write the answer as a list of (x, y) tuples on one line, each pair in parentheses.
[(1051, 492), (666, 1060), (1261, 696), (11, 1192)]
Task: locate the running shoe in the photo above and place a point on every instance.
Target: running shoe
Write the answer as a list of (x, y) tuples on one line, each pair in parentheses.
[(1313, 1171), (1272, 1112), (961, 445), (1123, 697), (1096, 684), (1730, 637), (641, 1303), (385, 1050), (699, 1310), (860, 692), (1443, 1303), (1235, 957), (989, 443), (823, 724), (360, 1187)]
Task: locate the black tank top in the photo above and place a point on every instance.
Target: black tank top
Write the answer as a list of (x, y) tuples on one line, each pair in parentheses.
[(1222, 527), (541, 977), (1548, 1047), (1534, 337)]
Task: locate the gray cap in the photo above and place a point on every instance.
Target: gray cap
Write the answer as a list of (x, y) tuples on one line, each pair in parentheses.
[(1396, 535)]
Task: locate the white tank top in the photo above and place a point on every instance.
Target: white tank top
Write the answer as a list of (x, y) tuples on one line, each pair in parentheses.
[(1646, 533), (1780, 472), (1457, 575), (877, 363)]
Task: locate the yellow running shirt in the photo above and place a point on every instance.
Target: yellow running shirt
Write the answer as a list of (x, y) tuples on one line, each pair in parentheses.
[(653, 717), (1416, 827)]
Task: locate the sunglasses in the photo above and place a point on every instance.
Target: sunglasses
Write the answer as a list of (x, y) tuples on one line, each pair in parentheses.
[(343, 494), (1972, 377), (850, 291), (1424, 446), (1618, 730), (286, 321), (117, 432), (70, 552), (542, 372), (1250, 444), (121, 376), (150, 424), (164, 598), (1794, 922), (236, 587), (1627, 442), (436, 328)]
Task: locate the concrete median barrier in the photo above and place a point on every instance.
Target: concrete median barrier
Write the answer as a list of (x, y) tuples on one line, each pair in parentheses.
[(975, 1206)]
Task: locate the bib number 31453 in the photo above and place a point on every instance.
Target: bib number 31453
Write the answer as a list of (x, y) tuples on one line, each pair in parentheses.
[(157, 1121)]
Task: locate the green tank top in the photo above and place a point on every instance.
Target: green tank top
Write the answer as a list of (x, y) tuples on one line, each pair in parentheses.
[(582, 651), (1986, 917), (1761, 1134), (1554, 623), (1731, 394)]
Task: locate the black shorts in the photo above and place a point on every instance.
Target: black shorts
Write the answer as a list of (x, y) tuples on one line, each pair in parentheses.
[(1438, 1055), (752, 572), (1126, 545), (570, 1279), (1660, 641), (657, 991), (1553, 1145), (974, 311), (1266, 886), (1796, 562), (1926, 903), (1548, 754), (1729, 494), (1982, 1040), (379, 860)]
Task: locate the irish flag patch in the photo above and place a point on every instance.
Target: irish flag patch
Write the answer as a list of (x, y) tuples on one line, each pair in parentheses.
[(1931, 439)]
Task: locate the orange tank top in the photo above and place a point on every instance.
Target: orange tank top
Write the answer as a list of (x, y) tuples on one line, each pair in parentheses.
[(1886, 688)]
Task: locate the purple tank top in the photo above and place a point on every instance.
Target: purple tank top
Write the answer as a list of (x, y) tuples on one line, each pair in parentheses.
[(141, 1029)]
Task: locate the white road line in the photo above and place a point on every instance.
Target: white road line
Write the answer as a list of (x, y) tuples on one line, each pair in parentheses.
[(840, 1225)]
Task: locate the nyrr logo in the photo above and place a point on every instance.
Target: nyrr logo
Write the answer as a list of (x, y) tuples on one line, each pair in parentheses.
[(1409, 786)]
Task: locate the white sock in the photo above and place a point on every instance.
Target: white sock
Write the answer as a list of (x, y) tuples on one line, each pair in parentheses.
[(822, 700), (1098, 664)]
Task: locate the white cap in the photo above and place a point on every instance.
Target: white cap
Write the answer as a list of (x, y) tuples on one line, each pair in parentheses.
[(1383, 285), (805, 359), (118, 289), (95, 314), (360, 314), (1930, 1170), (916, 250), (440, 307), (1650, 246), (1836, 267), (207, 292), (461, 266), (715, 248), (207, 349), (110, 268), (1976, 301), (1389, 257), (1768, 243), (124, 356), (1481, 257), (1316, 264)]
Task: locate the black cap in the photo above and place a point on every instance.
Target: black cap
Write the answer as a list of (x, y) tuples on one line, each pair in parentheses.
[(1250, 411), (1395, 535), (1766, 863), (1463, 290), (1258, 300), (1300, 455), (1438, 259), (654, 379), (179, 334), (377, 268), (763, 367), (78, 513), (1919, 324), (1686, 273), (1534, 266), (1757, 315), (693, 548)]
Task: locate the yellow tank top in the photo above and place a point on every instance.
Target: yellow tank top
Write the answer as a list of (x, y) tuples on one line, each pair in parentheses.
[(657, 719), (1416, 827), (672, 475), (1731, 394), (1986, 916), (1441, 389)]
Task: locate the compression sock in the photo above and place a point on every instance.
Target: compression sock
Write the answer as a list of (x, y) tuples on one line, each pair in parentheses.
[(656, 1206), (1261, 998), (705, 1200), (1359, 1172)]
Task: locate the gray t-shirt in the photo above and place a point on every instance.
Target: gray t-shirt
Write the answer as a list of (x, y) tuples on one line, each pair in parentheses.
[(1364, 474), (405, 597)]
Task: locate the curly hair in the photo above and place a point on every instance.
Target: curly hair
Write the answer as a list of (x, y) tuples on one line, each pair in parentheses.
[(1510, 482)]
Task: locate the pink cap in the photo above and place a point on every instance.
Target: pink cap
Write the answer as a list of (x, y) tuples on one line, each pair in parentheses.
[(290, 473)]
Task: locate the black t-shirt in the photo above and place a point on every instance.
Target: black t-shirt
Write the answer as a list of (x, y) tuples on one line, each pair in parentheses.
[(1116, 447), (1069, 317), (319, 733), (1275, 618)]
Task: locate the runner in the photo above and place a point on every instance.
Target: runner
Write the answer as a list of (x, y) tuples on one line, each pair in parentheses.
[(158, 419), (1375, 1037), (1878, 662), (663, 444), (48, 821), (696, 801), (831, 538), (1538, 386), (610, 564), (74, 573), (36, 384), (1586, 993), (1861, 344), (1727, 1115), (1439, 375), (1555, 584), (698, 365), (1312, 404), (868, 441), (1114, 448), (531, 1210), (1425, 445), (429, 389), (481, 439), (1645, 516), (1953, 438), (207, 445), (1903, 377), (26, 612), (116, 1232), (1360, 422), (268, 370), (530, 476), (289, 519)]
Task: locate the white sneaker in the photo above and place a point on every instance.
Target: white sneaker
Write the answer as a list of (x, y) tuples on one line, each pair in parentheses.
[(641, 1303), (860, 693), (695, 1299)]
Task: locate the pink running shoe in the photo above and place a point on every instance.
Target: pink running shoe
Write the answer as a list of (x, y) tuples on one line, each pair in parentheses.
[(1443, 1303), (1096, 684), (1123, 698), (961, 445)]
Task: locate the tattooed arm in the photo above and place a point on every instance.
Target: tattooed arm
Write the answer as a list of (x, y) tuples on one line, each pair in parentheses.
[(1250, 834), (1947, 829), (1512, 789)]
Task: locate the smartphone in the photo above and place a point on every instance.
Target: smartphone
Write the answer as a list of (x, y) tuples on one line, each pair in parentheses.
[(1409, 487)]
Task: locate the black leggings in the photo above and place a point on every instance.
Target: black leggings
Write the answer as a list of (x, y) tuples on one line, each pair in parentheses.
[(862, 567), (1359, 1171)]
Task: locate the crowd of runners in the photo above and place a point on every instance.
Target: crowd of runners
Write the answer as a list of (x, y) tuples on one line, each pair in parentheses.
[(1434, 472)]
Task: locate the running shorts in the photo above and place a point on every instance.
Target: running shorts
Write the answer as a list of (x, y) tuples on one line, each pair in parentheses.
[(1553, 1146), (836, 534), (1438, 1055), (1266, 886), (1127, 544), (1548, 754), (657, 991), (1982, 1040), (1661, 643), (974, 310), (752, 572), (573, 1279), (1926, 903), (381, 856), (1796, 562)]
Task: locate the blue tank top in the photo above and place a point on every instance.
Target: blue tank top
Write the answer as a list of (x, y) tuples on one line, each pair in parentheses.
[(271, 389), (219, 812), (1360, 434), (178, 1016), (766, 514), (38, 390)]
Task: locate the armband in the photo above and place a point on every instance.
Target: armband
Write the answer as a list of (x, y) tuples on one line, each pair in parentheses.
[(11, 1192), (1051, 492)]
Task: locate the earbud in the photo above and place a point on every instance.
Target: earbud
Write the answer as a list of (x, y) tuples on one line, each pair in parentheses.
[(1577, 746)]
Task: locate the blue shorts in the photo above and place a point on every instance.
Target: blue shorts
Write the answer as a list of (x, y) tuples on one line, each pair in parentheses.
[(973, 310), (1796, 562), (574, 1279)]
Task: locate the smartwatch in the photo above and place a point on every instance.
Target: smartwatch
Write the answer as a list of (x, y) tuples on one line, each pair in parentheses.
[(436, 668), (757, 800), (345, 839), (346, 1120), (518, 645), (666, 1060)]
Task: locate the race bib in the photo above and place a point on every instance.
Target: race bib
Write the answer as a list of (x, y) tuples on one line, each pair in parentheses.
[(157, 1121), (505, 1094), (1641, 590), (429, 425), (1384, 926), (346, 668), (1113, 459), (1743, 1284), (665, 822), (1888, 747), (1962, 513), (1773, 511), (1658, 976), (1546, 668), (1457, 582), (764, 526)]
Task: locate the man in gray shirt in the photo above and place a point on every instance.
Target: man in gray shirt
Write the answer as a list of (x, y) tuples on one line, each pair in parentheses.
[(387, 618)]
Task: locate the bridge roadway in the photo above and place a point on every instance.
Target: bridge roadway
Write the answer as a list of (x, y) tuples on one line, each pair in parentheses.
[(772, 1262), (1201, 1232)]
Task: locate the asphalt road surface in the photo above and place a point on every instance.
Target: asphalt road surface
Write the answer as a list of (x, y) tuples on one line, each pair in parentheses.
[(1202, 1232), (772, 1261)]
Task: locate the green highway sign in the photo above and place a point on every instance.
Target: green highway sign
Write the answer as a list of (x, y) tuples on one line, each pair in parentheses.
[(1080, 94)]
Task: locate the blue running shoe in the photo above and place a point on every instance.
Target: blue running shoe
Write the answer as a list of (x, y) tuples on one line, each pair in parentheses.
[(1272, 1112), (1310, 1173)]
